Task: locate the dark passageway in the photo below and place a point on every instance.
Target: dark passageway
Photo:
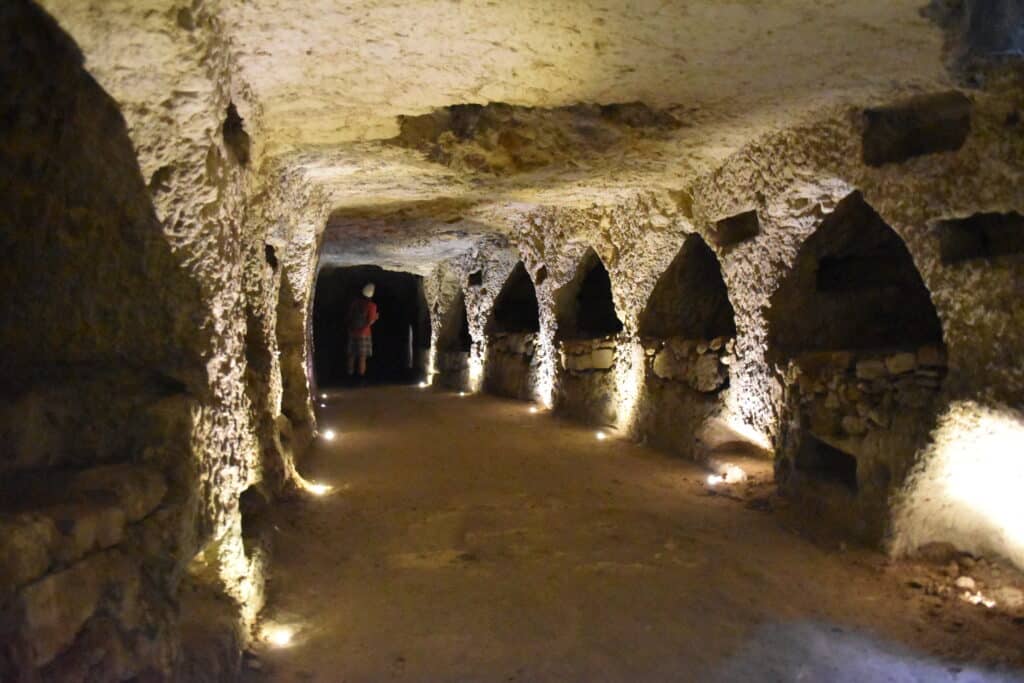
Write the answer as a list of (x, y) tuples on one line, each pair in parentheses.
[(400, 337)]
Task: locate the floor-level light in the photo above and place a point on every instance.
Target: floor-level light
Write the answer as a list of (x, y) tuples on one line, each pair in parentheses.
[(715, 479), (278, 636), (423, 385), (330, 434), (323, 405), (462, 393), (600, 436), (534, 409), (319, 489), (323, 396)]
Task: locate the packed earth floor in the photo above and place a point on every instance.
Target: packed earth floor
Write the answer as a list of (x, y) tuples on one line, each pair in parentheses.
[(468, 539)]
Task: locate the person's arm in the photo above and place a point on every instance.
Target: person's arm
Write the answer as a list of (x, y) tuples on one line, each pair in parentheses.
[(374, 316)]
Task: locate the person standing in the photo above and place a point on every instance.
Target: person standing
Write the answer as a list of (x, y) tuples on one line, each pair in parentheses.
[(362, 314)]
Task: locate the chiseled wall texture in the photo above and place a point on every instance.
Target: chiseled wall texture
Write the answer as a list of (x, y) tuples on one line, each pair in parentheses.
[(794, 178), (145, 324)]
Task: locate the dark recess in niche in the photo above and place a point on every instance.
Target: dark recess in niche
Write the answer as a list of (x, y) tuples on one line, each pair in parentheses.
[(586, 307), (690, 299), (981, 236), (541, 275), (515, 309), (853, 286), (455, 336), (236, 140), (476, 278), (252, 506), (270, 256), (826, 463), (735, 229), (926, 124)]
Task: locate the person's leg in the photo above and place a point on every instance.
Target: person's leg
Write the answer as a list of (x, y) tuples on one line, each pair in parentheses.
[(362, 364)]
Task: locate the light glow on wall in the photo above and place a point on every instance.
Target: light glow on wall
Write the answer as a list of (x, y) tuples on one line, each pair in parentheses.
[(966, 488), (629, 384), (277, 635)]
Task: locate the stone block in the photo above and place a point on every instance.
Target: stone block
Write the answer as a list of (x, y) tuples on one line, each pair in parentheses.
[(663, 364), (931, 357), (708, 375), (51, 611), (602, 359), (901, 363), (871, 369), (85, 527), (27, 542), (854, 426), (717, 343), (136, 489), (681, 347)]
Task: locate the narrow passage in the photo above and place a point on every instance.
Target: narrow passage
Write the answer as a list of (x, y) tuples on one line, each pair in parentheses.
[(470, 540)]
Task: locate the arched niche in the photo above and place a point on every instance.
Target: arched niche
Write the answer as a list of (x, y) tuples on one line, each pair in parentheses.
[(584, 306), (454, 336), (515, 309), (690, 300), (511, 333), (854, 285), (854, 335)]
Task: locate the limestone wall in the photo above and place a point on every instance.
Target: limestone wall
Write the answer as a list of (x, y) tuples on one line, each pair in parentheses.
[(793, 179), (156, 317)]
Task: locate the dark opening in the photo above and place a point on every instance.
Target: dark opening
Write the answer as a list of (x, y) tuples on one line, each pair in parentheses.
[(270, 255), (981, 236), (515, 309), (236, 140), (541, 275), (735, 229), (586, 309), (476, 278), (690, 299), (454, 335), (921, 125), (853, 286), (403, 326), (824, 462)]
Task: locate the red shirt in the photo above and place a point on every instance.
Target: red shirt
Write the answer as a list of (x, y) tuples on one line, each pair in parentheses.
[(371, 316)]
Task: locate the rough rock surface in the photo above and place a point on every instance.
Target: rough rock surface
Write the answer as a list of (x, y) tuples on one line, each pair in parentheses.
[(175, 173)]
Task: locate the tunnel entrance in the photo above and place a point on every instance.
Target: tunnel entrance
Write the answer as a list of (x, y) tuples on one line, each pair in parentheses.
[(687, 330), (512, 335), (858, 344), (400, 336)]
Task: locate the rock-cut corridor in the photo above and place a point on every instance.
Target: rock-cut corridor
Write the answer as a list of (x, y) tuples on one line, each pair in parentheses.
[(538, 340), (445, 552)]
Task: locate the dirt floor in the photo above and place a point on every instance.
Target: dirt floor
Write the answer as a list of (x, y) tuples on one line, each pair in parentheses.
[(470, 540)]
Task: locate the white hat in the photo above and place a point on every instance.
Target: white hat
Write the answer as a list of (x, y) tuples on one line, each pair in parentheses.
[(368, 290)]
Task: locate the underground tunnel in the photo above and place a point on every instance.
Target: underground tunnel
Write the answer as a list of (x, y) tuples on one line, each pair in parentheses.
[(401, 336), (693, 351)]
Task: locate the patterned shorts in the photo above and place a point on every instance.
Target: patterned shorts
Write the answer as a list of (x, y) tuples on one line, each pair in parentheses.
[(360, 347)]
